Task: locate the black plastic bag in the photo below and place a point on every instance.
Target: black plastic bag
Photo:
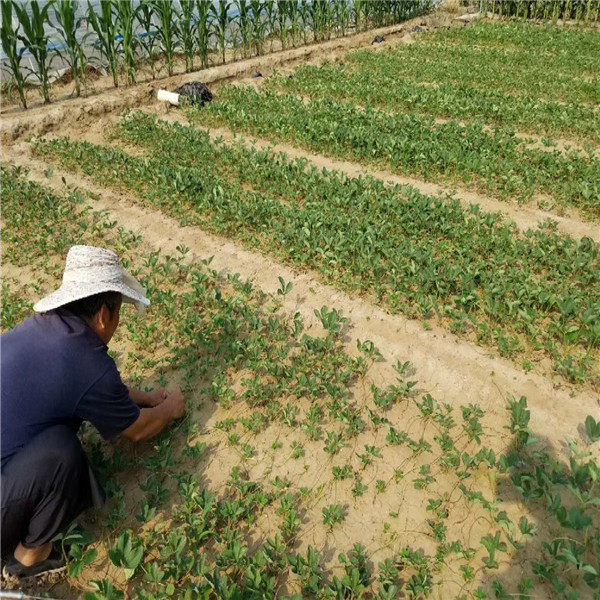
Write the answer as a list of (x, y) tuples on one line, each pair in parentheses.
[(196, 92)]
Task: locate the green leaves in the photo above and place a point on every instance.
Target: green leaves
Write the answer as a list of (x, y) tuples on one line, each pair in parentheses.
[(492, 161), (284, 288), (502, 283), (104, 590), (492, 544), (592, 428), (331, 319), (332, 514), (127, 553)]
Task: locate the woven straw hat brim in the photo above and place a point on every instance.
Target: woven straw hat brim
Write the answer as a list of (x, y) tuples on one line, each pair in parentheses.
[(69, 292)]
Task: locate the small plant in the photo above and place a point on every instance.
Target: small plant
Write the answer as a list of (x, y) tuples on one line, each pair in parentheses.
[(592, 428), (127, 553), (342, 473), (331, 319), (492, 544), (297, 450), (284, 288), (104, 590), (359, 488), (333, 442), (333, 514)]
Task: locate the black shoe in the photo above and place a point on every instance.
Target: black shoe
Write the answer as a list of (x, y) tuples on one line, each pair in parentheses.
[(53, 564)]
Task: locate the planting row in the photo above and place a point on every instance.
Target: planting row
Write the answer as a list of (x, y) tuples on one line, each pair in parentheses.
[(577, 44), (427, 257), (571, 10), (175, 533), (382, 89), (127, 35), (494, 161), (509, 70)]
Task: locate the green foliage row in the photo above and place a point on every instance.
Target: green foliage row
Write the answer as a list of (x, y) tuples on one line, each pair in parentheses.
[(413, 253), (576, 10), (382, 89), (494, 161), (519, 71), (575, 44)]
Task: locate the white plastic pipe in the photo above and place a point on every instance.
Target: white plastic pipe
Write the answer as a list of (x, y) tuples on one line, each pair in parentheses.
[(170, 97)]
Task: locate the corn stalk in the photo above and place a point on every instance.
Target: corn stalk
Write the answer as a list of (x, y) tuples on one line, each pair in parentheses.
[(220, 13), (9, 37), (187, 33), (125, 17), (72, 51), (105, 27), (35, 39), (166, 30), (244, 25), (282, 17), (258, 26), (147, 40), (203, 30), (305, 17)]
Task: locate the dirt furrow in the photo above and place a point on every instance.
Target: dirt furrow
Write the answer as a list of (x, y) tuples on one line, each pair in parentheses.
[(451, 369), (524, 217)]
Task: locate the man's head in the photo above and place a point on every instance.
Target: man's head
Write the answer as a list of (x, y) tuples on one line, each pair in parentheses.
[(93, 287), (100, 311)]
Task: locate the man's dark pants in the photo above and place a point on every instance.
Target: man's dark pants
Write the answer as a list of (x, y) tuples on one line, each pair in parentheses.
[(45, 485)]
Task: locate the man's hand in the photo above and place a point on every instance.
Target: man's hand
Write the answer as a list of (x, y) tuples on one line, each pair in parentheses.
[(153, 420), (151, 399), (176, 402), (156, 397)]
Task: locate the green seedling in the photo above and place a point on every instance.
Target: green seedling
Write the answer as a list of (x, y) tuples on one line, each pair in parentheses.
[(127, 553), (284, 288), (592, 428), (333, 514)]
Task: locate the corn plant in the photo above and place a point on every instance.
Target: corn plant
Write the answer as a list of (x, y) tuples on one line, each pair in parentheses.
[(72, 51), (257, 25), (304, 14), (35, 40), (125, 18), (341, 10), (203, 30), (220, 21), (282, 20), (294, 20), (104, 25), (167, 30), (244, 24), (10, 37), (147, 40), (270, 11), (187, 34), (321, 16)]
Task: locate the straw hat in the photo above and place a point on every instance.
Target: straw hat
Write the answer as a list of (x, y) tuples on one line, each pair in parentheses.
[(88, 271)]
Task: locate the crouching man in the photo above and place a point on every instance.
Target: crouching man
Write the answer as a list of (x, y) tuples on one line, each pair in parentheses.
[(56, 373)]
